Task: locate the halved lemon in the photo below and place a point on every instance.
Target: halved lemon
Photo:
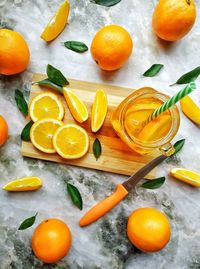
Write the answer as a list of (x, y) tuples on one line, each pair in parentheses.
[(71, 141), (187, 176), (99, 110), (24, 184), (46, 105), (57, 22), (76, 106), (42, 132)]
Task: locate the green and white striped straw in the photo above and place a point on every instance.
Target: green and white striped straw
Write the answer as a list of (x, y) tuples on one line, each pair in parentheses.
[(173, 100)]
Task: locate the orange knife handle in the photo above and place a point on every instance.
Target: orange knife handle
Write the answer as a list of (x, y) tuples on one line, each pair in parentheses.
[(104, 206)]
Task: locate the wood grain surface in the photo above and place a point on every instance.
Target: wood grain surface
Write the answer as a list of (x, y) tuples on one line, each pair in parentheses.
[(116, 156)]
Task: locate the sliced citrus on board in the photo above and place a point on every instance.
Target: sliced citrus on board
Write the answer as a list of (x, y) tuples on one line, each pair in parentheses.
[(156, 128), (24, 184), (46, 105), (57, 22), (42, 132), (71, 141), (99, 110), (76, 106), (190, 109), (187, 176)]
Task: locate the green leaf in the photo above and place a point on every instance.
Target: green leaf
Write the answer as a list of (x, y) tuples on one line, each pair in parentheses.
[(154, 184), (178, 146), (21, 102), (76, 46), (55, 76), (106, 3), (27, 223), (25, 134), (189, 77), (97, 148), (50, 84), (75, 196), (153, 70)]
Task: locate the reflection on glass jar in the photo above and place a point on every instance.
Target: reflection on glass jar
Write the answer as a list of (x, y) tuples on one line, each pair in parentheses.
[(129, 120)]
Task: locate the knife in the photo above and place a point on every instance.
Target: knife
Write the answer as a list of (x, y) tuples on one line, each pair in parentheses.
[(120, 193)]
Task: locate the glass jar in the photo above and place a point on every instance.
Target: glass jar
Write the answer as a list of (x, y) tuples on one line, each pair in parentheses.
[(137, 135)]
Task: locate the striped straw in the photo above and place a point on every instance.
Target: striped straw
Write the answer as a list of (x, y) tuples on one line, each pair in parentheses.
[(173, 100)]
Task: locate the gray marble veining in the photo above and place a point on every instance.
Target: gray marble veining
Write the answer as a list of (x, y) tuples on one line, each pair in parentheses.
[(103, 245)]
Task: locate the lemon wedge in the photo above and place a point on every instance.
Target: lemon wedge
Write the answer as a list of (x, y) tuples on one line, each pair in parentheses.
[(71, 141), (99, 110), (155, 129), (186, 175), (41, 134), (24, 184), (76, 106), (190, 109), (141, 107), (46, 105), (57, 23)]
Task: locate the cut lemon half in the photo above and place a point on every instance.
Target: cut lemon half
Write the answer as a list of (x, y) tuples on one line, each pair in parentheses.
[(46, 105), (71, 141), (57, 22), (76, 106), (187, 176), (99, 110), (42, 132), (24, 184)]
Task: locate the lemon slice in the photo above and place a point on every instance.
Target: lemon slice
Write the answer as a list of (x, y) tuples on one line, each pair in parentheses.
[(24, 184), (139, 107), (46, 105), (190, 109), (71, 141), (57, 22), (187, 176), (99, 110), (76, 106), (156, 129), (42, 132)]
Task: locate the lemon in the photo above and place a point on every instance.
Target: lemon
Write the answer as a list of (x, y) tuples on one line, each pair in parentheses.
[(46, 105), (57, 22), (190, 109), (139, 107), (99, 110), (24, 184), (187, 176), (41, 134), (155, 129), (71, 141), (76, 106)]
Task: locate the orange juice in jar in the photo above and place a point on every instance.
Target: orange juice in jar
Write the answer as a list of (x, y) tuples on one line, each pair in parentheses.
[(130, 121)]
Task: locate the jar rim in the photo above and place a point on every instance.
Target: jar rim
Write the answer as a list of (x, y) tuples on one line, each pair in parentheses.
[(159, 143)]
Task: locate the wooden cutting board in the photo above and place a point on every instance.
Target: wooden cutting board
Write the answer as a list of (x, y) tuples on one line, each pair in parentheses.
[(116, 156)]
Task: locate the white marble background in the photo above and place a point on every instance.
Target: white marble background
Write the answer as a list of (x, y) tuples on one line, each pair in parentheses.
[(102, 245)]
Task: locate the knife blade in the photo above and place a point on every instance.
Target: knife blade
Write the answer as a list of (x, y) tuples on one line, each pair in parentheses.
[(120, 193)]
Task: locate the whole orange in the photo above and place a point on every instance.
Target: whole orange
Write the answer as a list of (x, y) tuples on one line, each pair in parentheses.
[(14, 52), (173, 19), (148, 229), (3, 130), (111, 47), (51, 240)]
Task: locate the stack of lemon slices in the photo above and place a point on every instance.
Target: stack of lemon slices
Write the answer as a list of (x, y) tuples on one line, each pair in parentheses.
[(50, 134)]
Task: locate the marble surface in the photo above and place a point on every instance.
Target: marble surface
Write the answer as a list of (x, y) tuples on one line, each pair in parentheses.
[(102, 245)]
